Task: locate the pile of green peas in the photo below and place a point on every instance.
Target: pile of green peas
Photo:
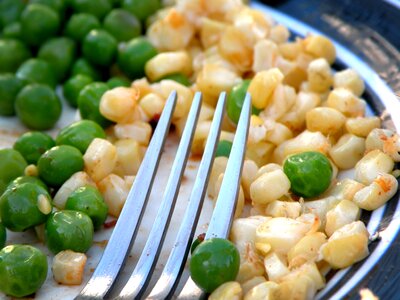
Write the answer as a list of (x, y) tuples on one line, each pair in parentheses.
[(75, 44)]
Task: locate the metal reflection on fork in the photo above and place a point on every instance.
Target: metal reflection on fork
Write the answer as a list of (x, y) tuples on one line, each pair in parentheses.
[(126, 229)]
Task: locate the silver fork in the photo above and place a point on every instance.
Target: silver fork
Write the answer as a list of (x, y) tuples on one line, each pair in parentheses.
[(126, 229)]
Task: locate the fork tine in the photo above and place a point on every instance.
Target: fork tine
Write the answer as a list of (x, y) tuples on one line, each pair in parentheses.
[(169, 278), (138, 281), (222, 216), (126, 228)]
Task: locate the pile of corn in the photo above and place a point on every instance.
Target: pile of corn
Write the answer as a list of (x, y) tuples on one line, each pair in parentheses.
[(287, 245)]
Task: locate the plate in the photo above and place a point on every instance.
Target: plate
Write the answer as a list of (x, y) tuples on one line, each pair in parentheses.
[(383, 224)]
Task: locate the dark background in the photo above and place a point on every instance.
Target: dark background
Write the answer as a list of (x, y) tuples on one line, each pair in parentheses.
[(370, 29)]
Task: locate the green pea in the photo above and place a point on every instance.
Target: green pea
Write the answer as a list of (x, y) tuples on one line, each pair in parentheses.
[(133, 56), (57, 5), (12, 54), (89, 102), (80, 134), (38, 107), (37, 70), (309, 173), (60, 54), (9, 89), (99, 47), (13, 31), (178, 77), (223, 148), (69, 230), (10, 11), (83, 67), (88, 200), (3, 236), (123, 25), (12, 165), (142, 9), (58, 164), (23, 270), (33, 144), (79, 25), (24, 206), (98, 8), (214, 262), (235, 101), (38, 23), (27, 179), (73, 86), (114, 82)]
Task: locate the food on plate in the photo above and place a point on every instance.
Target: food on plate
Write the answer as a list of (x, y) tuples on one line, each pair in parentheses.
[(295, 219)]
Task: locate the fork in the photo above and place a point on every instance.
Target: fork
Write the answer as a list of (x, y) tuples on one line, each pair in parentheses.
[(125, 231)]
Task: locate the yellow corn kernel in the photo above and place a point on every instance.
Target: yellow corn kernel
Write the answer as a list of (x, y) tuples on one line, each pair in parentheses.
[(350, 80), (210, 32), (346, 246), (100, 159), (344, 189), (290, 50), (281, 233), (234, 47), (143, 86), (243, 231), (256, 121), (200, 136), (347, 151), (76, 181), (68, 267), (263, 85), (362, 126), (139, 131), (319, 75), (371, 165), (230, 290), (218, 168), (260, 153), (265, 55), (283, 99), (152, 104), (249, 174), (118, 104), (168, 63), (300, 286), (185, 97), (269, 187), (377, 193), (306, 249), (305, 141), (385, 140), (277, 133), (320, 46), (326, 120), (129, 157), (285, 209), (31, 170), (114, 190), (249, 284), (279, 34), (275, 266), (345, 212), (214, 79), (263, 291), (251, 264), (173, 32), (295, 118), (346, 102), (206, 112)]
